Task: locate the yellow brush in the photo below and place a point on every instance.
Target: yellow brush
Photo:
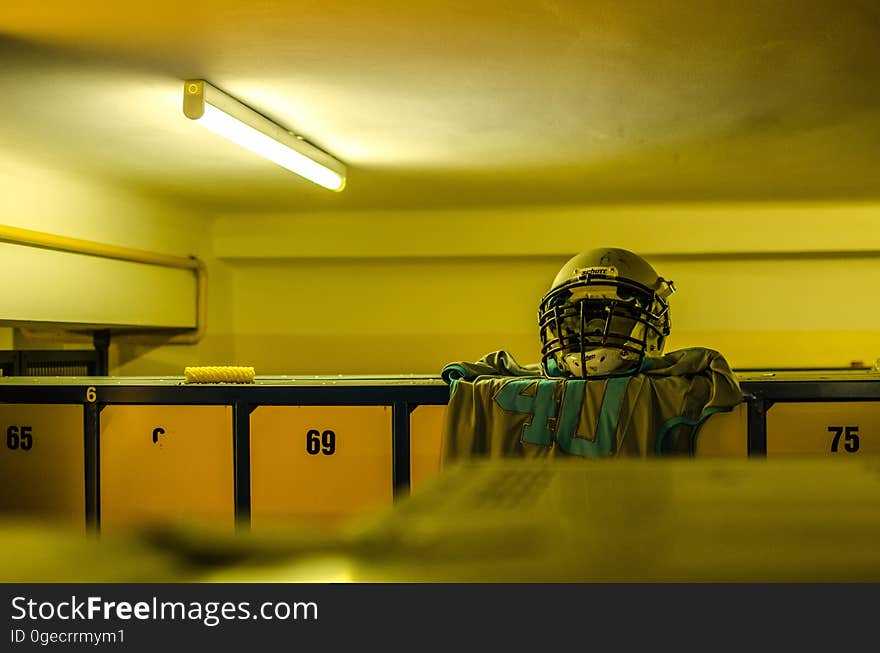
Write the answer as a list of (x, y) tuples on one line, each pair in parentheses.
[(219, 374)]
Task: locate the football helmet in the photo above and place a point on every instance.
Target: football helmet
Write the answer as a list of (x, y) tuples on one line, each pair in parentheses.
[(605, 312)]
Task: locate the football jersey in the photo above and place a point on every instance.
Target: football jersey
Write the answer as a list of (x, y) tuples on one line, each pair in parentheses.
[(499, 408)]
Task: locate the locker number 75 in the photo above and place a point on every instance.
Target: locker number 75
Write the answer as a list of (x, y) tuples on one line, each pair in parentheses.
[(850, 439)]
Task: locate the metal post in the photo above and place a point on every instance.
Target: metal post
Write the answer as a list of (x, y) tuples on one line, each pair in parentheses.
[(92, 446), (241, 465), (400, 448), (758, 406), (101, 340)]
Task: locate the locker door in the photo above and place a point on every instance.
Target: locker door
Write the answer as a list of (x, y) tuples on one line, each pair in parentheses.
[(42, 461), (319, 463), (166, 464)]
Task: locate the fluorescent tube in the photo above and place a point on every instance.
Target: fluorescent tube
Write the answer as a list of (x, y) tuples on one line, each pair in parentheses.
[(227, 117)]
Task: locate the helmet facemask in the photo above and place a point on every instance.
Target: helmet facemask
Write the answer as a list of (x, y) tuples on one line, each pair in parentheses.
[(598, 324)]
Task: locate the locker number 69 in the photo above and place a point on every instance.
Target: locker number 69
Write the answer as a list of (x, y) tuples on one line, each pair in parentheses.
[(320, 442)]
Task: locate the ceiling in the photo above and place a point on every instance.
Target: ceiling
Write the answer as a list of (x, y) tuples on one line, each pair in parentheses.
[(457, 103)]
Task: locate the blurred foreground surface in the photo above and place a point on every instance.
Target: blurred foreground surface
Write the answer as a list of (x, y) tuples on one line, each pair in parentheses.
[(524, 521)]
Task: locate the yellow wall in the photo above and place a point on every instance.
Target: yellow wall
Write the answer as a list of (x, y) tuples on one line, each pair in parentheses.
[(35, 196), (407, 292)]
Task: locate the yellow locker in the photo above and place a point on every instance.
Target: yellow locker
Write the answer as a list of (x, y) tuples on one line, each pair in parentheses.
[(42, 461), (319, 463), (725, 434), (170, 464), (425, 435), (838, 428)]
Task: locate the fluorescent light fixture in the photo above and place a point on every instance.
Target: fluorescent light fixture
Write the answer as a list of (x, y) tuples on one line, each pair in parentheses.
[(226, 116)]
